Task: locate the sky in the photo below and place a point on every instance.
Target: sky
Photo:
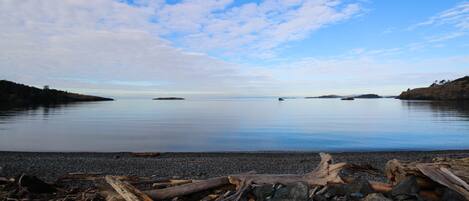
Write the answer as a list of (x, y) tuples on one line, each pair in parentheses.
[(140, 48)]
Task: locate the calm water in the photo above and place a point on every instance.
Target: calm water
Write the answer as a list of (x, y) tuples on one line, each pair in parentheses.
[(237, 125)]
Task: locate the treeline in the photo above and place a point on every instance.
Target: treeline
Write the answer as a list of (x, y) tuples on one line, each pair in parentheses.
[(15, 94)]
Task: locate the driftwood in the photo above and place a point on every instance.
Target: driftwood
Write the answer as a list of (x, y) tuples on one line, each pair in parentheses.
[(452, 173), (127, 191), (185, 189), (326, 173), (445, 177)]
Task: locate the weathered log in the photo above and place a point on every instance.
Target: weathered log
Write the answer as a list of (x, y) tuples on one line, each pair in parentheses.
[(185, 189), (326, 172), (127, 191)]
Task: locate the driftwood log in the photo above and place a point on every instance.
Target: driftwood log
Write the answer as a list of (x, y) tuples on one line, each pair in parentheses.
[(326, 173), (127, 191), (185, 189), (452, 173)]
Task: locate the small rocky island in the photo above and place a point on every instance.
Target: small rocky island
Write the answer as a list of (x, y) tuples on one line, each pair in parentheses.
[(169, 98), (15, 94), (368, 96), (440, 90), (326, 96)]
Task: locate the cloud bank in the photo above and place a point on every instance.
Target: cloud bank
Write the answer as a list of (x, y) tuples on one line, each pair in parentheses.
[(189, 46)]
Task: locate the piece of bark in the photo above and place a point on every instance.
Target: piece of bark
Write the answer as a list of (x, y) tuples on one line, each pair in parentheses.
[(127, 191), (185, 189), (380, 187)]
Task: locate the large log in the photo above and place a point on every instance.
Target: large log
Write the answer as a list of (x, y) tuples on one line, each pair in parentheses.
[(326, 172), (176, 191)]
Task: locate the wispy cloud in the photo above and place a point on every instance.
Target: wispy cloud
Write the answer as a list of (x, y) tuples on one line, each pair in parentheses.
[(247, 28), (457, 16)]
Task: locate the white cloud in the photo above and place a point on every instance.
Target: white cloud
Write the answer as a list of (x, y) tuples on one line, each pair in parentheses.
[(457, 16), (249, 28), (100, 42), (105, 45)]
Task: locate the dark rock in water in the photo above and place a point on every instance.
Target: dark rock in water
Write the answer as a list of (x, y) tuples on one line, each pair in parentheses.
[(348, 98), (376, 197), (14, 94), (368, 96), (168, 98), (281, 99), (291, 192), (406, 190), (445, 90), (35, 185)]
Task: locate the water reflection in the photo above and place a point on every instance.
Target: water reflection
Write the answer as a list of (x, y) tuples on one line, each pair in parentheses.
[(8, 112), (237, 125), (440, 108)]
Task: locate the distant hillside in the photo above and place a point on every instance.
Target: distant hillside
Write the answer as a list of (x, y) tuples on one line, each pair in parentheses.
[(443, 90), (15, 94)]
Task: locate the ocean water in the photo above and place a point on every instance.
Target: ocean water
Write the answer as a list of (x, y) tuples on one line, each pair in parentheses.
[(237, 124)]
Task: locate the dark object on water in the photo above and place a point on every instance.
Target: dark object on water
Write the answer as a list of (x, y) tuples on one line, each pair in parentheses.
[(368, 96), (168, 98), (348, 98), (14, 94), (281, 99), (450, 90)]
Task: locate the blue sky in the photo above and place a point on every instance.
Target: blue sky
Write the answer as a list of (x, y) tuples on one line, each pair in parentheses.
[(226, 47)]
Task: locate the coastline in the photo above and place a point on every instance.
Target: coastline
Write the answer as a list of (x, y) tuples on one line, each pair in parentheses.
[(51, 165)]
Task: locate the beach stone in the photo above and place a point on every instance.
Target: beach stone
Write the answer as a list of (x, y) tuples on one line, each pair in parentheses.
[(292, 192), (450, 195), (406, 190), (356, 190), (375, 197), (359, 188)]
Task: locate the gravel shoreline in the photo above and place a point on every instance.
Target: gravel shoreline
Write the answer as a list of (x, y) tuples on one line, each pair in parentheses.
[(50, 166)]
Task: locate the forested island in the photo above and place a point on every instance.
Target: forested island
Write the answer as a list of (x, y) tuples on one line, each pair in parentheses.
[(440, 90), (15, 94)]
